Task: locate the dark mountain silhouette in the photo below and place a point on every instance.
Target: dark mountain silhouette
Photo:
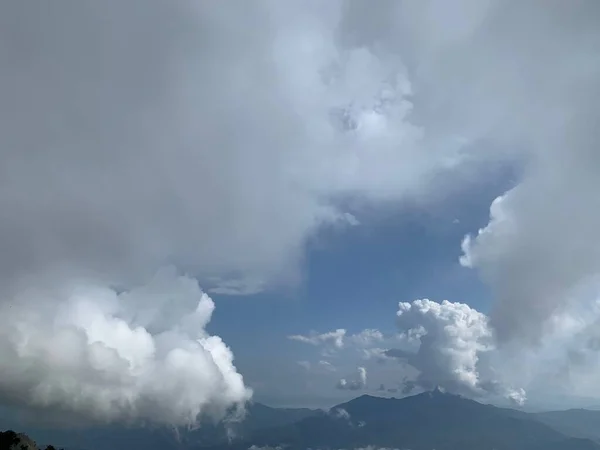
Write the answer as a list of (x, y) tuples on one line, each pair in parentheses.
[(580, 423), (431, 420), (427, 421), (258, 417), (10, 440)]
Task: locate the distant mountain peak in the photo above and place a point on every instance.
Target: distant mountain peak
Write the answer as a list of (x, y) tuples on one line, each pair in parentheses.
[(438, 391), (368, 397)]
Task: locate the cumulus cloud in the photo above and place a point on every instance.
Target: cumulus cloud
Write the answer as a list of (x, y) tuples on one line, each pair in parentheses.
[(355, 384), (138, 354), (453, 339)]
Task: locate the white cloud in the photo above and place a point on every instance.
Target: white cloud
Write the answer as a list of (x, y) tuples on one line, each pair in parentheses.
[(453, 339), (374, 353), (369, 348), (367, 337), (365, 341), (355, 384), (332, 338), (368, 344), (326, 365), (266, 447), (139, 354), (340, 413)]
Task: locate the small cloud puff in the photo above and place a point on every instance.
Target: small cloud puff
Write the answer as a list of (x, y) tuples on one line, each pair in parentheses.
[(356, 384)]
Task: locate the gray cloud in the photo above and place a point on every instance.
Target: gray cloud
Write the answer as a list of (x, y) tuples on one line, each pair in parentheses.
[(519, 81), (155, 145), (139, 135), (217, 137), (539, 248)]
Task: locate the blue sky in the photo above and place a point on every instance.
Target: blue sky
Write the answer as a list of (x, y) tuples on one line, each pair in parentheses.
[(353, 278)]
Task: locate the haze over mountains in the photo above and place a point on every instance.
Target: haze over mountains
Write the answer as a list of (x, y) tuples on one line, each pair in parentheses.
[(430, 420)]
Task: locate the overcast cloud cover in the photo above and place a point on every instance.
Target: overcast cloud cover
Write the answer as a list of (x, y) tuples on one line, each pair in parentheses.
[(215, 138)]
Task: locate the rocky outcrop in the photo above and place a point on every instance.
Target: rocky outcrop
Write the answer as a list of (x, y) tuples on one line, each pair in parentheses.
[(9, 440)]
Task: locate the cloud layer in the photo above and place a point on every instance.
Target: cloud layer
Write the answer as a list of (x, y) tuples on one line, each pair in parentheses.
[(539, 252), (215, 137), (219, 137), (128, 149)]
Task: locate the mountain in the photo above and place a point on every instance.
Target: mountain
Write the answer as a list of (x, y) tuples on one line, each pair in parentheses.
[(580, 423), (261, 416), (9, 440), (432, 420), (258, 416)]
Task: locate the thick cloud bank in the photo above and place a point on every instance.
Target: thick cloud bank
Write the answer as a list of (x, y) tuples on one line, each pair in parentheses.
[(212, 136), (138, 354), (539, 252), (218, 136)]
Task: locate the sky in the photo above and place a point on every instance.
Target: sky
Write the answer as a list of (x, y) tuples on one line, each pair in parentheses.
[(354, 279), (296, 202)]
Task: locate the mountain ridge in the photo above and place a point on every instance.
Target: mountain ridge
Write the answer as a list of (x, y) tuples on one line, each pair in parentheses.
[(431, 419)]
